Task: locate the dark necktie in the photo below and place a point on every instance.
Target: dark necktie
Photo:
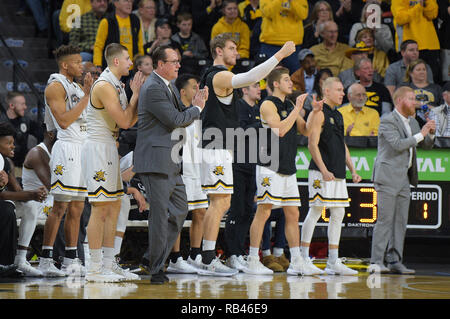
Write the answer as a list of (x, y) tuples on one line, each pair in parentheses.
[(175, 100)]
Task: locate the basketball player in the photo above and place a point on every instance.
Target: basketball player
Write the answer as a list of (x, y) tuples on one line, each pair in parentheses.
[(35, 174), (277, 182), (221, 113), (187, 85), (326, 179), (107, 111), (65, 102)]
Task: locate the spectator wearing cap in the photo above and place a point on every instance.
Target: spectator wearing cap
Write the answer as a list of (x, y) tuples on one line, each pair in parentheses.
[(356, 53), (232, 23), (303, 78), (121, 27), (441, 114), (359, 120), (331, 53), (382, 33), (163, 32), (379, 58), (282, 21)]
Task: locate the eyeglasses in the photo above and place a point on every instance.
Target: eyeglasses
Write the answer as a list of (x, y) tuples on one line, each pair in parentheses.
[(174, 62)]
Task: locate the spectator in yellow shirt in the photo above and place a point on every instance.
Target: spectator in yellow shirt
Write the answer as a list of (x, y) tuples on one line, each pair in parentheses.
[(232, 23), (122, 27), (331, 53), (282, 21), (359, 120), (414, 20)]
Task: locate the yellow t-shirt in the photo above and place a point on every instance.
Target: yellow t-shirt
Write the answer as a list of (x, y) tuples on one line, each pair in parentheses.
[(366, 121), (126, 39), (70, 11)]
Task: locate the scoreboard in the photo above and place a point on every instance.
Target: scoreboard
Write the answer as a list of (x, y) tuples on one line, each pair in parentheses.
[(429, 211)]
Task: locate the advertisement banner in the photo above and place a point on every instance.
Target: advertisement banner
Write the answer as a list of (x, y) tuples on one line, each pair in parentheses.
[(433, 165)]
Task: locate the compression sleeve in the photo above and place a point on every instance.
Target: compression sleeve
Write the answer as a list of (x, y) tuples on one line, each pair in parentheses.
[(254, 75)]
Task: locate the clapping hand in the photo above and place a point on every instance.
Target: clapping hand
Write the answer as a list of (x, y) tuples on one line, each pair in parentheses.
[(200, 97), (136, 82), (316, 105), (87, 83)]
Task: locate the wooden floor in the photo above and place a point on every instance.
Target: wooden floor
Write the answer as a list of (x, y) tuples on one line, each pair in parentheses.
[(430, 282)]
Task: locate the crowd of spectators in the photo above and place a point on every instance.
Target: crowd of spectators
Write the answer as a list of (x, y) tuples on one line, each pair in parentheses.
[(379, 44)]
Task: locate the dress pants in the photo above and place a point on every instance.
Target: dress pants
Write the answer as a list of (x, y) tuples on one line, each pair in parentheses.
[(389, 233), (168, 209)]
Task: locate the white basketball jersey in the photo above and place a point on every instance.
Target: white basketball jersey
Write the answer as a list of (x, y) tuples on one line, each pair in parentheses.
[(29, 178), (101, 126), (76, 132), (192, 153)]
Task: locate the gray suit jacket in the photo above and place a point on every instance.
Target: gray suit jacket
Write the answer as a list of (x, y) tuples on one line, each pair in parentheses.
[(157, 118), (391, 163)]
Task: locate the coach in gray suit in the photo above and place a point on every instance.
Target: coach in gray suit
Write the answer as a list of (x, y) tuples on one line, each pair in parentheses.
[(160, 112), (394, 170)]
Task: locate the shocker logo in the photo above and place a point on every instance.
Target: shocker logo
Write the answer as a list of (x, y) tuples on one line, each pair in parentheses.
[(47, 210), (218, 170), (100, 176), (316, 184), (265, 182), (58, 170)]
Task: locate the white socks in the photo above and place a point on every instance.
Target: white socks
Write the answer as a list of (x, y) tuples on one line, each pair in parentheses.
[(208, 245)]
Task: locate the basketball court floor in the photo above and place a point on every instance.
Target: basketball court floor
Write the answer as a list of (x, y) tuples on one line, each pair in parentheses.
[(431, 281)]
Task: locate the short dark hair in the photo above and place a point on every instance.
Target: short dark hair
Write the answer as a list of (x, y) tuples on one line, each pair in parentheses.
[(6, 129), (275, 75), (183, 80), (65, 50), (405, 44), (12, 95), (112, 50), (184, 16), (160, 54)]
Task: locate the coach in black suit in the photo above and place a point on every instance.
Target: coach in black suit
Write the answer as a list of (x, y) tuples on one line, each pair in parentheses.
[(160, 112)]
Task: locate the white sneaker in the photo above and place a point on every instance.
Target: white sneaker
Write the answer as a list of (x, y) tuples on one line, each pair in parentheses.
[(97, 273), (255, 267), (124, 272), (47, 267), (338, 268), (297, 266), (237, 262), (311, 269), (216, 268), (181, 267), (28, 270), (196, 263), (73, 267)]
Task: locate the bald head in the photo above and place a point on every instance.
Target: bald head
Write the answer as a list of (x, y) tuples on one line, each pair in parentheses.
[(357, 95)]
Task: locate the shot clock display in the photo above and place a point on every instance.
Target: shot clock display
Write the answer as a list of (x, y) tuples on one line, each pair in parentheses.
[(425, 210)]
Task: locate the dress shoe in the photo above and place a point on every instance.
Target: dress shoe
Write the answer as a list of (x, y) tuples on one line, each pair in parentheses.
[(399, 268), (159, 278), (378, 268)]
